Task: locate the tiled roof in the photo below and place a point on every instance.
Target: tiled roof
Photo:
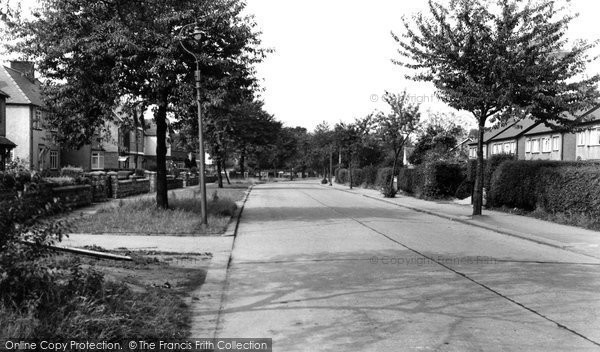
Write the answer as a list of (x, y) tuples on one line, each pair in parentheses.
[(2, 93), (21, 89), (517, 129), (493, 132), (5, 142)]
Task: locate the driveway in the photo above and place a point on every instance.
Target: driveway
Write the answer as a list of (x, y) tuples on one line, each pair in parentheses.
[(317, 269)]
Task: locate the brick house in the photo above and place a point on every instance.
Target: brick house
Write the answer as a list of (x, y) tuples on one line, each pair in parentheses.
[(25, 116), (122, 147)]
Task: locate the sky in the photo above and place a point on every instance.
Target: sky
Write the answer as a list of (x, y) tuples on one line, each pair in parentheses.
[(332, 58)]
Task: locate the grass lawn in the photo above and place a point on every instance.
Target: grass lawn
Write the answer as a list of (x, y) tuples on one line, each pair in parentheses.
[(146, 298), (141, 216)]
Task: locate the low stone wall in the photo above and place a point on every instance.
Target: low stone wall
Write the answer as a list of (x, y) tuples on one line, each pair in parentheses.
[(173, 183), (74, 196), (126, 188), (101, 188), (190, 180)]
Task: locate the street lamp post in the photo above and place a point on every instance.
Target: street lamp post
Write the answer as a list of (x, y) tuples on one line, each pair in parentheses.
[(197, 35)]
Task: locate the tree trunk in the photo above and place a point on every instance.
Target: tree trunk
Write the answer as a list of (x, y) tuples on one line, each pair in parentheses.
[(243, 162), (219, 175), (478, 187), (226, 175), (162, 200), (396, 154)]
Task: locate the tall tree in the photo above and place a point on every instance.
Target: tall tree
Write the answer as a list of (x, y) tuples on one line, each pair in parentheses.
[(497, 58), (396, 127), (93, 54)]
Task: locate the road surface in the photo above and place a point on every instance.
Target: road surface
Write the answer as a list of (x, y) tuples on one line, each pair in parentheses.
[(318, 269)]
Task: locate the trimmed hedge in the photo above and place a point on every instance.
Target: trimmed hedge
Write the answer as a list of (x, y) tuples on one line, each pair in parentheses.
[(383, 176), (341, 176), (357, 177), (570, 189), (369, 175), (437, 179), (521, 183)]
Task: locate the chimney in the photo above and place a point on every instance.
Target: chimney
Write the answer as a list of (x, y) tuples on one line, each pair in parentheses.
[(27, 68)]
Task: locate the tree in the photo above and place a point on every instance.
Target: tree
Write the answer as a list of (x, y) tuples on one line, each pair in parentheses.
[(499, 58), (351, 137), (95, 54), (395, 128)]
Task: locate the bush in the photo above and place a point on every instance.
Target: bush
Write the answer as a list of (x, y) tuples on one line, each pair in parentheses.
[(357, 177), (491, 165), (324, 181), (570, 189), (464, 190), (60, 181), (440, 179), (369, 175), (341, 176), (406, 180), (388, 191), (518, 183), (384, 176), (71, 171)]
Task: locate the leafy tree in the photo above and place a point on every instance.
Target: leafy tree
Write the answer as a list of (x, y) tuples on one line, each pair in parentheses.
[(351, 137), (395, 128), (435, 140), (96, 54), (497, 58)]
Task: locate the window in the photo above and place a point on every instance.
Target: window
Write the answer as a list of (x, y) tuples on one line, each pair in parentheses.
[(528, 146), (556, 143), (595, 136), (37, 118), (581, 138), (546, 147), (97, 160), (535, 145), (53, 159), (513, 147), (506, 148)]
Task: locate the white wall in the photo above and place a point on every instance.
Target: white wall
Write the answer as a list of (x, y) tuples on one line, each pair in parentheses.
[(18, 129)]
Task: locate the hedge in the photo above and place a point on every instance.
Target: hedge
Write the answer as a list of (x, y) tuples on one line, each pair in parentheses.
[(570, 189), (369, 175), (437, 179), (522, 183), (383, 176), (357, 177), (341, 176)]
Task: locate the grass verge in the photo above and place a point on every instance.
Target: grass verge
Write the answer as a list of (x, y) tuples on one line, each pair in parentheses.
[(141, 216), (102, 299)]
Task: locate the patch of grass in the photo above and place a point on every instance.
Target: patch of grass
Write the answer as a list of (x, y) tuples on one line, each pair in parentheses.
[(141, 216), (97, 299), (571, 218)]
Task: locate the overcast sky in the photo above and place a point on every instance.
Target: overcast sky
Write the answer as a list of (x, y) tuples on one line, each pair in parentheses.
[(332, 58)]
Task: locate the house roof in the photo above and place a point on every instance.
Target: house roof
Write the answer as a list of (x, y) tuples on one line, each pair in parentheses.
[(2, 93), (20, 88), (493, 132), (516, 129), (5, 142)]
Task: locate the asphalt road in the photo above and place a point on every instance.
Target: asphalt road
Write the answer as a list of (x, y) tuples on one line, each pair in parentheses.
[(323, 270)]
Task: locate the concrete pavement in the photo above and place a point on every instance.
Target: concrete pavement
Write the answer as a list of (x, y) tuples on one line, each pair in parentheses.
[(321, 270), (575, 239)]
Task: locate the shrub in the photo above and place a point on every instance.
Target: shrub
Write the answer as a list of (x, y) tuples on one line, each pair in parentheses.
[(440, 179), (384, 176), (324, 181), (570, 189), (464, 190), (518, 183), (369, 175), (388, 191), (71, 171), (492, 164), (357, 177), (341, 176), (405, 179), (60, 181)]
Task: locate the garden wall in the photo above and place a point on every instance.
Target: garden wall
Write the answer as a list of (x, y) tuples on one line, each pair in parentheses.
[(127, 188), (74, 196)]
